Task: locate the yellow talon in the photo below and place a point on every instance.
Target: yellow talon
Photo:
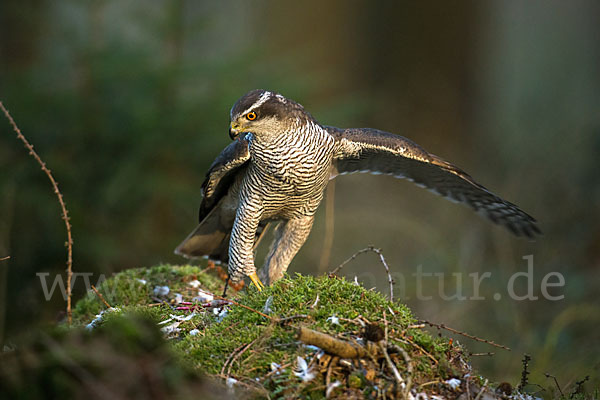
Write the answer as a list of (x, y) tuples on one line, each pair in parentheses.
[(254, 278)]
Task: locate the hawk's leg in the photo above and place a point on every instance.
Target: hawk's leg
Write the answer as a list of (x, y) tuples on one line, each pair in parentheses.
[(290, 235), (243, 233)]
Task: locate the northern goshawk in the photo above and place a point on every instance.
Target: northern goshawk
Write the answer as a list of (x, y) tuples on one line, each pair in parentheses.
[(277, 168)]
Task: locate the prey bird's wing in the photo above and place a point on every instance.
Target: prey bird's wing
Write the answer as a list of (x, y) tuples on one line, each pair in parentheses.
[(378, 152), (222, 173)]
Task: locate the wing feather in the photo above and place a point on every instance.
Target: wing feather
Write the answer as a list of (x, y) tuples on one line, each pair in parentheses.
[(221, 174), (379, 152)]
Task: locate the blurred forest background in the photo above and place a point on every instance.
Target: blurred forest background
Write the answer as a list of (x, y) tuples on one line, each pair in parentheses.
[(128, 103)]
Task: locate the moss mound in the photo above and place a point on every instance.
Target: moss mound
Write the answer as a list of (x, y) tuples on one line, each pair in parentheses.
[(262, 354)]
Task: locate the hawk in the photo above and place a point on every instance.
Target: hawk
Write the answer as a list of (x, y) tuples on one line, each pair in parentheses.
[(277, 168)]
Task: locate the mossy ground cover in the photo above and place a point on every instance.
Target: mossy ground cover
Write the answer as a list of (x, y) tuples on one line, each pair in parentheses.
[(261, 353)]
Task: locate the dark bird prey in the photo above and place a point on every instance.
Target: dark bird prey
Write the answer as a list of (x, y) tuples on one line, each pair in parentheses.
[(277, 169)]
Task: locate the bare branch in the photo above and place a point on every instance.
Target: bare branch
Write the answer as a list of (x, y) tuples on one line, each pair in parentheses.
[(442, 326), (381, 258), (65, 213), (100, 296)]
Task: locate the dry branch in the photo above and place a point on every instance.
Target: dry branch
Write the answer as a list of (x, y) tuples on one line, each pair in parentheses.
[(381, 258), (335, 346), (65, 213), (100, 296), (4, 258), (442, 326)]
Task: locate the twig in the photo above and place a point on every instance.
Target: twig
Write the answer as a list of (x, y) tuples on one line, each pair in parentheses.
[(381, 258), (483, 389), (389, 361), (442, 326), (409, 370), (329, 226), (65, 214), (332, 362), (230, 357), (391, 365), (429, 383), (244, 306), (276, 370), (481, 354), (100, 296), (422, 350), (239, 354), (290, 318), (555, 382), (4, 258)]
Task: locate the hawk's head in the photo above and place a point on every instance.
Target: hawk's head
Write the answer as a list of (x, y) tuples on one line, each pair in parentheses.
[(265, 113)]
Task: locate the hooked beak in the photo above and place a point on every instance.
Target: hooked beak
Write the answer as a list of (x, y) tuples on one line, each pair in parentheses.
[(234, 131)]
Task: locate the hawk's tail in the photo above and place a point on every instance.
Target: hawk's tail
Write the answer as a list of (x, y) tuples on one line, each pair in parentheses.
[(210, 239)]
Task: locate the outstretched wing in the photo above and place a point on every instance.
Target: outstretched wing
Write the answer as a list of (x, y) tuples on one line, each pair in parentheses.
[(222, 173), (374, 151)]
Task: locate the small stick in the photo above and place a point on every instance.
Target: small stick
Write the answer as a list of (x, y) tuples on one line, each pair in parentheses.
[(422, 350), (332, 362), (279, 369), (390, 364), (290, 318), (100, 296), (409, 370), (381, 258), (239, 354), (230, 357), (244, 306), (329, 227), (333, 345), (4, 258), (442, 326), (468, 391), (65, 213), (407, 360), (481, 354), (555, 382), (481, 390), (429, 383)]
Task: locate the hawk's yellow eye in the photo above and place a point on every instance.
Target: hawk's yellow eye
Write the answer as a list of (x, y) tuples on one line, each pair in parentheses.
[(251, 116)]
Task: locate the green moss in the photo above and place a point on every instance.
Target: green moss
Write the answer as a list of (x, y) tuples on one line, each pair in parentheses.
[(134, 287), (290, 297), (244, 344)]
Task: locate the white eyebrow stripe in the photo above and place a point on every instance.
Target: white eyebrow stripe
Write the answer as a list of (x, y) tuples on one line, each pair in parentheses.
[(261, 100)]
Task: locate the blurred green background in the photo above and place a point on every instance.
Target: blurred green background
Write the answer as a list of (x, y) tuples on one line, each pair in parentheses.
[(128, 103)]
